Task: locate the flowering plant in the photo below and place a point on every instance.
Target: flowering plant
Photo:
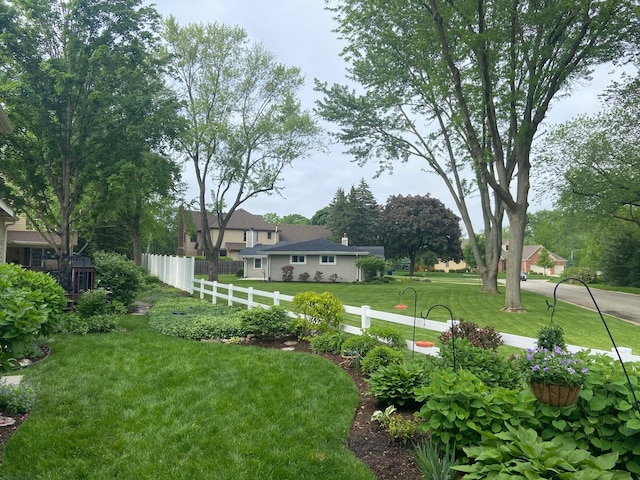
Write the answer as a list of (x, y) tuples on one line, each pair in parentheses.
[(556, 366)]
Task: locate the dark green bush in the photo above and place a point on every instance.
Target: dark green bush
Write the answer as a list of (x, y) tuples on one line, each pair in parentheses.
[(587, 275), (98, 302), (485, 337), (396, 383), (487, 365), (17, 399), (380, 356), (371, 266), (265, 324), (118, 274), (330, 342), (551, 337), (78, 325)]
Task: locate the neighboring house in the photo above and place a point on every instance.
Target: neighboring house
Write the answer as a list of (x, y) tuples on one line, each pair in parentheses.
[(7, 217), (450, 266), (245, 230), (30, 248), (335, 261), (530, 255)]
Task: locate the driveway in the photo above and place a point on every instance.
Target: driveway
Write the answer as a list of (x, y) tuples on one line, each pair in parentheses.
[(621, 305)]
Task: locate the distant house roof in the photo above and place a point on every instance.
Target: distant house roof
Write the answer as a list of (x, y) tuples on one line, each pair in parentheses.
[(300, 233), (6, 212), (240, 220), (318, 246), (529, 250), (5, 124)]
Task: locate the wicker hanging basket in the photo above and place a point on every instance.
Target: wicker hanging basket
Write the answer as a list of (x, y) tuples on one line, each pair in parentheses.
[(554, 394)]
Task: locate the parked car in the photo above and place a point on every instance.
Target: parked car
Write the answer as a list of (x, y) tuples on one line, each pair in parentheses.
[(523, 277)]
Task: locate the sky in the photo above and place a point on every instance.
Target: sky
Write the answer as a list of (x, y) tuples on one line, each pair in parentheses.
[(299, 33)]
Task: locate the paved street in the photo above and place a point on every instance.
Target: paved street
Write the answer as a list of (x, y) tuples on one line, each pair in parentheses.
[(616, 304)]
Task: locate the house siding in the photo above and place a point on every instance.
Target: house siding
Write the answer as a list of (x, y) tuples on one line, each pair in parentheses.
[(344, 268)]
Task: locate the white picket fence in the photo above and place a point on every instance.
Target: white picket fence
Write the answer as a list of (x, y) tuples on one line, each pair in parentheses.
[(166, 270)]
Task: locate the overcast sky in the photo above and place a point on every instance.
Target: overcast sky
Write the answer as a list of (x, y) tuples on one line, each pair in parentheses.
[(299, 33)]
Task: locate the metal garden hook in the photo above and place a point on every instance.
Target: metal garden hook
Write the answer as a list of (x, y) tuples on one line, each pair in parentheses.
[(615, 347), (453, 331), (415, 308)]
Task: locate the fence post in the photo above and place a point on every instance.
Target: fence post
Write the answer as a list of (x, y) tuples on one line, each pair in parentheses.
[(201, 288), (214, 293), (365, 320), (250, 298), (230, 295), (276, 298)]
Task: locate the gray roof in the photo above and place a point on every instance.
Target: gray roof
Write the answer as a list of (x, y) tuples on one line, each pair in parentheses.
[(317, 246)]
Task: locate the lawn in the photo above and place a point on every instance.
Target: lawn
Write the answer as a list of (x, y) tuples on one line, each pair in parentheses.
[(140, 405), (463, 296)]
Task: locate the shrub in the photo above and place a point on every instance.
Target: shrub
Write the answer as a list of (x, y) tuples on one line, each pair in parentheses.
[(359, 345), (389, 335), (487, 365), (78, 325), (322, 310), (265, 324), (98, 302), (402, 429), (304, 277), (396, 383), (521, 453), (585, 274), (371, 266), (434, 463), (240, 273), (17, 399), (380, 356), (333, 278), (119, 275), (287, 273), (31, 304), (330, 342), (318, 276), (486, 337)]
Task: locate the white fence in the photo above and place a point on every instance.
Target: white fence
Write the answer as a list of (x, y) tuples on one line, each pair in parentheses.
[(233, 294)]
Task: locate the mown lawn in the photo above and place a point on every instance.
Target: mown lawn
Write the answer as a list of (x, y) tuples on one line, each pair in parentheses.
[(463, 296), (140, 405)]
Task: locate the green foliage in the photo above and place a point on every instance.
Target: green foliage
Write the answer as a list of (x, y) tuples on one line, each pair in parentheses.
[(18, 399), (485, 337), (329, 342), (586, 274), (402, 429), (458, 406), (371, 267), (195, 319), (304, 277), (391, 336), (396, 383), (97, 302), (550, 337), (491, 368), (359, 345), (119, 275), (384, 417), (434, 463), (356, 215), (322, 310), (380, 356), (521, 453), (30, 305), (79, 325), (317, 276), (265, 323)]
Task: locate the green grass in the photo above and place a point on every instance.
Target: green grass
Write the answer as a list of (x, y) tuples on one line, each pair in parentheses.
[(140, 405), (463, 296)]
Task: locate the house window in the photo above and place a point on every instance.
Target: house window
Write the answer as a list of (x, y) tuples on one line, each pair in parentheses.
[(244, 236), (268, 235), (257, 263), (194, 237), (327, 260), (38, 256), (298, 259), (223, 253)]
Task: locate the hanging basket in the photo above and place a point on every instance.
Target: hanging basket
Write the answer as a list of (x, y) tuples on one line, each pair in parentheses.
[(554, 394)]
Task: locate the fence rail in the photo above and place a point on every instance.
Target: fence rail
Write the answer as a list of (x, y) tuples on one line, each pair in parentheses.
[(253, 298)]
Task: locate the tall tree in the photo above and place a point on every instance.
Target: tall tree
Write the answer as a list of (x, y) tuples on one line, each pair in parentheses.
[(465, 85), (244, 123), (320, 217), (413, 226), (356, 215), (66, 68), (337, 218)]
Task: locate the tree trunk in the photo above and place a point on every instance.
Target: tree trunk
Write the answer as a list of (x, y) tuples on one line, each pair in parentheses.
[(517, 225), (136, 239)]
